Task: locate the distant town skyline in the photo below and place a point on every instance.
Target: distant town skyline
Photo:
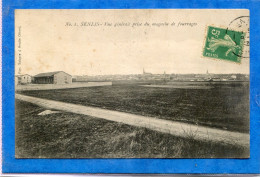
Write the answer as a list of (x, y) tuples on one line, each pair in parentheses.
[(47, 44), (141, 73)]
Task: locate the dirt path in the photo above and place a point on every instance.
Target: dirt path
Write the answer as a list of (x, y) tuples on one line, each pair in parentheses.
[(175, 128)]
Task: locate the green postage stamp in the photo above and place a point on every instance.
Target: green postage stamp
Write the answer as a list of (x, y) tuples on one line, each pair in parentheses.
[(224, 44)]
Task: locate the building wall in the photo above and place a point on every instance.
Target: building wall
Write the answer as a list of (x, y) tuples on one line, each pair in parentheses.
[(43, 80), (26, 79), (62, 78)]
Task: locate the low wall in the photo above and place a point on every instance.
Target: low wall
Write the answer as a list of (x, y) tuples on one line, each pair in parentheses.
[(60, 86)]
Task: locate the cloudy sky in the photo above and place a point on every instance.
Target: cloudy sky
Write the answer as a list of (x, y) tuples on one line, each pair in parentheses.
[(47, 44)]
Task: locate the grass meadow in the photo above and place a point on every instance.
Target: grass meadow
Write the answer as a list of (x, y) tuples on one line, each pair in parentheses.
[(223, 106), (67, 135)]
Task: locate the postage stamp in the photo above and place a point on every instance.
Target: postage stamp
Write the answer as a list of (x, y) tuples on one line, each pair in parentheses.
[(224, 44)]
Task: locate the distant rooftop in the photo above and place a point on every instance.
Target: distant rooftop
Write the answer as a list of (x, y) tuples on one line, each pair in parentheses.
[(48, 74)]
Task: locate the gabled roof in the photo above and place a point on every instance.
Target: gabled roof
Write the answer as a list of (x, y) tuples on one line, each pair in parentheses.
[(47, 74)]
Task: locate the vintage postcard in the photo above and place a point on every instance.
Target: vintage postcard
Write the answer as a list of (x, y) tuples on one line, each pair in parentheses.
[(136, 83)]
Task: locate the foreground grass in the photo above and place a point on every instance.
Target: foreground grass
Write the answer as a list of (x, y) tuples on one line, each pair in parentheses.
[(67, 135), (224, 106)]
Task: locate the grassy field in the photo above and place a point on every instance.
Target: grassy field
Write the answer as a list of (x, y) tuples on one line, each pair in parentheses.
[(224, 106), (67, 135)]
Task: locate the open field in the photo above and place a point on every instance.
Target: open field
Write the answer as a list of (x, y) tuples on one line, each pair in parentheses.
[(175, 128), (67, 135), (179, 86), (224, 106)]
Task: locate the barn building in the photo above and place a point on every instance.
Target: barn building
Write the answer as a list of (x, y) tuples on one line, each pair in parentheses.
[(58, 77), (23, 79)]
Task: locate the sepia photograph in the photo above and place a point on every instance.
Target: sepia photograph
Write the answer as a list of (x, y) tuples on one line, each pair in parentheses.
[(132, 83)]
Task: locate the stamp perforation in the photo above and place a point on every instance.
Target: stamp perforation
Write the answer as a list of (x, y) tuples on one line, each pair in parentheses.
[(228, 41)]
